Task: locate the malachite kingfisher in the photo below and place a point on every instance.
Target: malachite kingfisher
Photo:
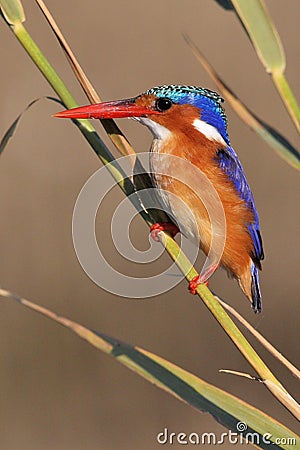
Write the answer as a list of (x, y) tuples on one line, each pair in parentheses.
[(189, 122)]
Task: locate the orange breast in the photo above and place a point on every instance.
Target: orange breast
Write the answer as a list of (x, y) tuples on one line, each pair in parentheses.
[(197, 169)]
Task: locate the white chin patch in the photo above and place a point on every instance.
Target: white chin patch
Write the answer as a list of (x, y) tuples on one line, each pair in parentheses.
[(209, 131), (158, 131)]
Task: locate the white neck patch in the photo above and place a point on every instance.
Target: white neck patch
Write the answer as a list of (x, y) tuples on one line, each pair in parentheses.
[(209, 131), (158, 131)]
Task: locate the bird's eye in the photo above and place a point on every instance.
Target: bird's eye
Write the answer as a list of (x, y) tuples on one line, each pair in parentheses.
[(162, 104)]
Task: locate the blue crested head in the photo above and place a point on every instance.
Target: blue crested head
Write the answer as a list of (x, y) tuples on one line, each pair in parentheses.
[(208, 102)]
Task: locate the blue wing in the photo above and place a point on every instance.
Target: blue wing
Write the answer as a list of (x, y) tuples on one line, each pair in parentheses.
[(230, 164)]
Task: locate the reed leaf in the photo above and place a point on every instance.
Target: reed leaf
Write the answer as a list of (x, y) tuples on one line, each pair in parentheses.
[(225, 408), (13, 11), (262, 32), (226, 4), (266, 41), (273, 138)]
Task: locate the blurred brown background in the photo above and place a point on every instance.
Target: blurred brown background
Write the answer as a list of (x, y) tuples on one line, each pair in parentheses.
[(57, 392)]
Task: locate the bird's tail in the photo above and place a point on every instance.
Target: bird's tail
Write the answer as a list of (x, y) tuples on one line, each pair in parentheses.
[(255, 290), (249, 283)]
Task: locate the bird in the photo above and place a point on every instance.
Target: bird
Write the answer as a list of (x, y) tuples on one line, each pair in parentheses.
[(189, 122)]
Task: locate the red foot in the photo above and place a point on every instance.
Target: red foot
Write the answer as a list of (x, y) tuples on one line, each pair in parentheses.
[(158, 227), (194, 283), (202, 279)]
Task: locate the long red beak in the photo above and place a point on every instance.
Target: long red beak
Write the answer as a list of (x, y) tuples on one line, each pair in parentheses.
[(107, 110)]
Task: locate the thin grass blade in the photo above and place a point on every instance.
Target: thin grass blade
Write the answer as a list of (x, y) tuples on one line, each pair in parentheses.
[(224, 407), (262, 32), (11, 130), (142, 180), (261, 339), (273, 138), (109, 125), (285, 398)]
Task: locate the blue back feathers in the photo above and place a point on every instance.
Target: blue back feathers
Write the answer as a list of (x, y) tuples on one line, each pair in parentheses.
[(231, 165), (209, 103)]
